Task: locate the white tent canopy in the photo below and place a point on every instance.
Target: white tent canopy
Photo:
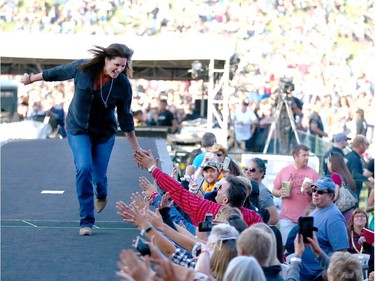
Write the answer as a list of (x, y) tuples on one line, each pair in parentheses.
[(155, 58)]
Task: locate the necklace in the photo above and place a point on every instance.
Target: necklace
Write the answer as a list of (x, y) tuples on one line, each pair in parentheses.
[(355, 248), (101, 93)]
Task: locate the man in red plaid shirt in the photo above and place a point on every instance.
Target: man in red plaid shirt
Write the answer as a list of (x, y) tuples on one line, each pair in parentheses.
[(232, 192)]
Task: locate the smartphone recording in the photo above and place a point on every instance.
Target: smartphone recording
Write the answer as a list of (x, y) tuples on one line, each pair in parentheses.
[(142, 247), (207, 224), (306, 227), (226, 164)]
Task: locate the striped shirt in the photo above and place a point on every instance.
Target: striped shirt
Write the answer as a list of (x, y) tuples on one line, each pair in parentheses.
[(195, 206)]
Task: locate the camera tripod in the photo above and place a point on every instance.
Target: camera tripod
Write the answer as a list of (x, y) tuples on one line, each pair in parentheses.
[(283, 142)]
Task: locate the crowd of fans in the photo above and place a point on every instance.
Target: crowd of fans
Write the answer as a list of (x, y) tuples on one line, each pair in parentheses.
[(325, 46), (217, 229)]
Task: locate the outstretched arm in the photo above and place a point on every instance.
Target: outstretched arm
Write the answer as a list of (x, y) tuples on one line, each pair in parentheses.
[(322, 257), (132, 138), (150, 190), (193, 205), (139, 219), (27, 79), (174, 235)]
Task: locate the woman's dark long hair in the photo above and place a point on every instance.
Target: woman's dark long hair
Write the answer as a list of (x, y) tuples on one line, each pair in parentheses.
[(338, 165), (234, 168), (112, 51)]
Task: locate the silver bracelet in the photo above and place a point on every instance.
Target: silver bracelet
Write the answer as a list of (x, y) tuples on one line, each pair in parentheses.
[(30, 78), (151, 168)]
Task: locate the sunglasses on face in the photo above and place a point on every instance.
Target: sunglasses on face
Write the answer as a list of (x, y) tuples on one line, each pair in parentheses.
[(320, 192), (251, 170), (219, 154)]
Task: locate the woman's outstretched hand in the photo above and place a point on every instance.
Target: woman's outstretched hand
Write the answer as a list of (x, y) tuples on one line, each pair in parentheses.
[(25, 79), (145, 160)]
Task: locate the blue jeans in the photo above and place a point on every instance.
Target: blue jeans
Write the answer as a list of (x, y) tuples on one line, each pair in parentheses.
[(175, 215), (91, 161)]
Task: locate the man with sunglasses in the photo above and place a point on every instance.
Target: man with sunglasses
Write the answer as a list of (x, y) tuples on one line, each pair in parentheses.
[(331, 233)]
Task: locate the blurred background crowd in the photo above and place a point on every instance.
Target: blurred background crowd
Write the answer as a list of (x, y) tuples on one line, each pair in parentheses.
[(325, 46)]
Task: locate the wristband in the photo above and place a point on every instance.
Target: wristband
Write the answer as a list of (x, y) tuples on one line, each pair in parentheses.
[(30, 82), (153, 196), (145, 230), (152, 168), (206, 251), (186, 178), (197, 249), (298, 259)]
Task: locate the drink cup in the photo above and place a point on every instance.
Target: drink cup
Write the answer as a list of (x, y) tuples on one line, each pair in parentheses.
[(306, 181), (286, 185)]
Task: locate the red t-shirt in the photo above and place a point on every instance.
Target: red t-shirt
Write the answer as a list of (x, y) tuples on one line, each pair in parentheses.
[(336, 179)]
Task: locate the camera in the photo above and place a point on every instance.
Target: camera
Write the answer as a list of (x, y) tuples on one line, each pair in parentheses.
[(286, 85), (207, 224)]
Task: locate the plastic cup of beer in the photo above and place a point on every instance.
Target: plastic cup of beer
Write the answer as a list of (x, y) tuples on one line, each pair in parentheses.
[(286, 185), (306, 181)]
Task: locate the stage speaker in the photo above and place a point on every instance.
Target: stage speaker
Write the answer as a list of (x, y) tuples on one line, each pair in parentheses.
[(200, 107)]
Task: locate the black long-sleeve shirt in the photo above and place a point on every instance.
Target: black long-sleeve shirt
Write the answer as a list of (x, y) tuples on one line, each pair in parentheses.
[(87, 112), (356, 165)]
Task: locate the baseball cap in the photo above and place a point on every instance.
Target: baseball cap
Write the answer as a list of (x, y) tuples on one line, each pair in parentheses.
[(245, 102), (210, 165), (340, 137), (325, 183)]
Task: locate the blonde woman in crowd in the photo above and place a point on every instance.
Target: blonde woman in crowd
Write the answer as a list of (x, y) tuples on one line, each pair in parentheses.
[(244, 268), (343, 266), (219, 251)]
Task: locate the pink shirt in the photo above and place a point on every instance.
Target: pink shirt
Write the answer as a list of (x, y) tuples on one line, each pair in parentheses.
[(298, 203)]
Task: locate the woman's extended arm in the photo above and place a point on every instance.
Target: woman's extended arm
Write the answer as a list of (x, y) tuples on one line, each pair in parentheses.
[(177, 237), (27, 79), (132, 138), (184, 231), (139, 219)]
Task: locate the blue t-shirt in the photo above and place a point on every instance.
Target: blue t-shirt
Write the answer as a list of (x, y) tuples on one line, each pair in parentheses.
[(198, 160), (331, 235)]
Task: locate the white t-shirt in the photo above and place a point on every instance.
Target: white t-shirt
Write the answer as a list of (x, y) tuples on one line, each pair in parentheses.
[(243, 130)]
